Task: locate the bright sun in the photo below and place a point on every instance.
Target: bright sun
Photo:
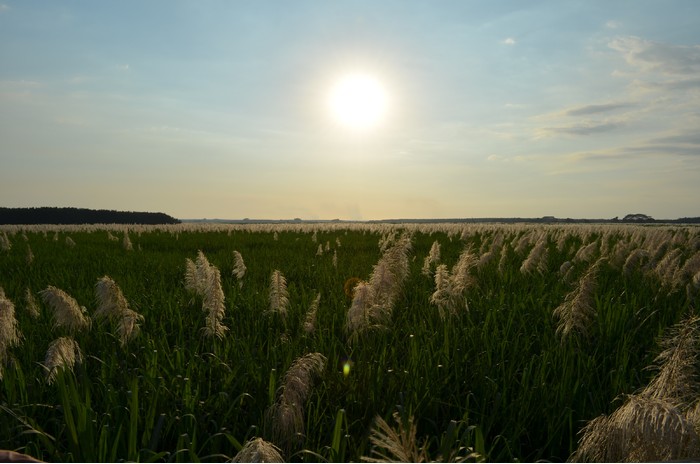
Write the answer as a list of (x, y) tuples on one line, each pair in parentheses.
[(358, 101)]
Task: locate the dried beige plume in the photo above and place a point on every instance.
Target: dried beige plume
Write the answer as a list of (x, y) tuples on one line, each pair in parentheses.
[(63, 353), (279, 296), (70, 242), (9, 332), (5, 243), (112, 305), (586, 253), (536, 261), (67, 312), (450, 288), (319, 250), (390, 272), (395, 445), (32, 305), (578, 312), (30, 256), (643, 429), (668, 269), (204, 279), (634, 260), (432, 259), (213, 304), (310, 321), (335, 259), (126, 242), (238, 267), (286, 416), (362, 301), (258, 450), (676, 379), (443, 295)]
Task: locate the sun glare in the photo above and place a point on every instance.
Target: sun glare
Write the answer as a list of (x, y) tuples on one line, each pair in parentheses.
[(358, 101)]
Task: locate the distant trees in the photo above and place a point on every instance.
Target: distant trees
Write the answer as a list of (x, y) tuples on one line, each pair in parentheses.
[(55, 215)]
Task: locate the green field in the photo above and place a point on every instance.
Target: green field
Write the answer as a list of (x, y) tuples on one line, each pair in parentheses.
[(490, 375)]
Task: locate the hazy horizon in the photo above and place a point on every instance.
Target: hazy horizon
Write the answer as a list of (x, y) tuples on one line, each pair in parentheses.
[(225, 109)]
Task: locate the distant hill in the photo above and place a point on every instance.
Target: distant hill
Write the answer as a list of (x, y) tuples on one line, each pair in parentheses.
[(51, 215)]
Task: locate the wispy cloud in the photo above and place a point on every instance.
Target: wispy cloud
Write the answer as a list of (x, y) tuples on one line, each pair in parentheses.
[(508, 41), (4, 7), (612, 24), (582, 129), (650, 56), (596, 109)]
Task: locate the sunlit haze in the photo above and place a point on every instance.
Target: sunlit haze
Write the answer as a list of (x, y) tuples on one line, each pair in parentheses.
[(352, 109)]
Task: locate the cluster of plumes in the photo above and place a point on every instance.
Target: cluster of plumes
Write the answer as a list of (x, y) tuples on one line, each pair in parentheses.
[(432, 260), (258, 450), (204, 280), (286, 416), (451, 287), (373, 301), (67, 313), (238, 268), (62, 354), (578, 312), (113, 306), (536, 261), (661, 422), (279, 296), (10, 334)]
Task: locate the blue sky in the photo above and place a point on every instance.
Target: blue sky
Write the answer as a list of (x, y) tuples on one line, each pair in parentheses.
[(220, 108)]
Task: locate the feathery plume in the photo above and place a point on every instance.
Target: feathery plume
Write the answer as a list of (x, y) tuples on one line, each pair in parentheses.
[(310, 322), (432, 259), (643, 429), (32, 305), (213, 303), (286, 416), (70, 242), (126, 242), (112, 305), (577, 312), (634, 260), (63, 353), (676, 381), (9, 332), (279, 297), (373, 302), (238, 267), (319, 251), (30, 256), (5, 243), (204, 279), (536, 261), (335, 259), (258, 450), (586, 253), (395, 445), (67, 312), (450, 288)]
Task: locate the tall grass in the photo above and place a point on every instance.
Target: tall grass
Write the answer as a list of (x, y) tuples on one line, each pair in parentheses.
[(494, 382)]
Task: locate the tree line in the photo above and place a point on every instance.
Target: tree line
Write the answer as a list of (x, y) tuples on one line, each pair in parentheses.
[(58, 215)]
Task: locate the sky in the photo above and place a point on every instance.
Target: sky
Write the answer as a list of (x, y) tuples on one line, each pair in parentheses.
[(220, 109)]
